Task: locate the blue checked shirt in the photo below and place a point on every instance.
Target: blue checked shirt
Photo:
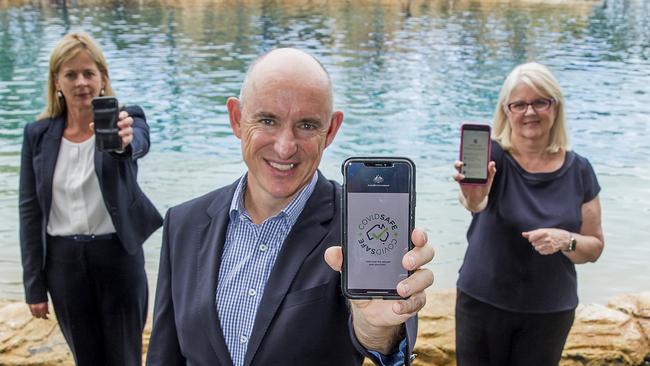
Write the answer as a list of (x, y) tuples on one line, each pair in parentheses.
[(249, 254)]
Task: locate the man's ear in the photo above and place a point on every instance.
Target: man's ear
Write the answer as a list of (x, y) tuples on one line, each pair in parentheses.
[(234, 114), (335, 124)]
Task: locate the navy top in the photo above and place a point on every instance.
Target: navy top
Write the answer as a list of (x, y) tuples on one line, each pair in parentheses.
[(501, 267)]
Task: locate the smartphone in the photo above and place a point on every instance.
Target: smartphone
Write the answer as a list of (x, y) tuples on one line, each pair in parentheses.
[(105, 112), (475, 149), (378, 218)]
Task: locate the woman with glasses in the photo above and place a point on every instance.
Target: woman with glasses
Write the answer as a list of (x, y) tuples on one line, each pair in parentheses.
[(536, 218), (83, 216)]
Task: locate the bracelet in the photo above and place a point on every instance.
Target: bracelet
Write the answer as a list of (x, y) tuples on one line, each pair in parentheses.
[(572, 244)]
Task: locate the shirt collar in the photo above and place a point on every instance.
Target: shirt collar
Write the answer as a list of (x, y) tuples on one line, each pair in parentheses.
[(289, 213)]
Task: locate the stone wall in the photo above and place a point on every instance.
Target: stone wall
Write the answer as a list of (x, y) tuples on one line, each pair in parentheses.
[(614, 334)]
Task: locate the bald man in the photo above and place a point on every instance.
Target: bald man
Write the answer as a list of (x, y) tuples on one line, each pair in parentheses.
[(248, 273)]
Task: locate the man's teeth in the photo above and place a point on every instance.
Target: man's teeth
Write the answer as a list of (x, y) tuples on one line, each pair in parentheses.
[(281, 166)]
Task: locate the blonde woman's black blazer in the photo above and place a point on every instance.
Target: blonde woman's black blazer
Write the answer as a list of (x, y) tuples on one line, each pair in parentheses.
[(134, 216)]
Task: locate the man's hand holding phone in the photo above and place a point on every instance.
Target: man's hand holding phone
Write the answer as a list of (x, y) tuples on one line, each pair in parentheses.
[(377, 322)]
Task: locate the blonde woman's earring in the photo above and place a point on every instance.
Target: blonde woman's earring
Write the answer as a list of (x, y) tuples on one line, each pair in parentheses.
[(59, 94), (101, 92)]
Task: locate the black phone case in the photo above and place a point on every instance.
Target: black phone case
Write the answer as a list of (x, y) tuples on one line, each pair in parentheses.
[(105, 115), (344, 281), (475, 127)]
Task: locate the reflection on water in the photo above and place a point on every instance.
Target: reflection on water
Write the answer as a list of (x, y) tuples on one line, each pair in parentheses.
[(406, 74)]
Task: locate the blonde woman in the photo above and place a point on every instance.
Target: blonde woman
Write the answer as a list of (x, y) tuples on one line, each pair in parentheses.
[(83, 217), (538, 216)]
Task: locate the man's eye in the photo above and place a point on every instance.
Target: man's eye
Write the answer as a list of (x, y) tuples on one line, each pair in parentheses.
[(308, 126), (267, 122)]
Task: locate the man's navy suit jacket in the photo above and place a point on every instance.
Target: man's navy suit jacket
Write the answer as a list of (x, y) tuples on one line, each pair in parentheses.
[(302, 318), (132, 213)]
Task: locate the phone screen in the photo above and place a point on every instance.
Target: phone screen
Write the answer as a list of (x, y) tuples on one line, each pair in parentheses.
[(378, 225), (475, 145)]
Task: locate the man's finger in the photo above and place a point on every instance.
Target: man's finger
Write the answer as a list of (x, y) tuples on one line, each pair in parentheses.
[(417, 282), (419, 237), (418, 257), (411, 305), (334, 257)]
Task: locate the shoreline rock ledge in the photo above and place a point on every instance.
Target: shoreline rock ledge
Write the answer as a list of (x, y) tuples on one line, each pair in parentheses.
[(614, 334)]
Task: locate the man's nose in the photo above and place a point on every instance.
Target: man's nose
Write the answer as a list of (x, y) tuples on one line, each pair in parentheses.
[(285, 143)]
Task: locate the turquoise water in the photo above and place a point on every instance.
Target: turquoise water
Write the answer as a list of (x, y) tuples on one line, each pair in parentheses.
[(406, 74)]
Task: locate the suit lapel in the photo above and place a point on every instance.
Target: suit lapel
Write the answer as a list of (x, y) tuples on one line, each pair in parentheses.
[(211, 243), (50, 153), (99, 165), (306, 234)]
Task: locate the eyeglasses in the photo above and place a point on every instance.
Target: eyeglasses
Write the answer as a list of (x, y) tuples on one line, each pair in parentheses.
[(538, 105)]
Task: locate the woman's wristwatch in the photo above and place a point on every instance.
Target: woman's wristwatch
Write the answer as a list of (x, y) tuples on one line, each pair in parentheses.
[(571, 246)]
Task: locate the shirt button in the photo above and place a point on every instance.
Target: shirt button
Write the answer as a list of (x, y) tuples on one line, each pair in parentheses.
[(263, 247), (252, 292), (243, 339)]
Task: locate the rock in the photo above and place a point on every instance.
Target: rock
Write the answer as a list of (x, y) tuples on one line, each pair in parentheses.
[(25, 340), (145, 338), (616, 334), (14, 316), (636, 305), (436, 330), (605, 336)]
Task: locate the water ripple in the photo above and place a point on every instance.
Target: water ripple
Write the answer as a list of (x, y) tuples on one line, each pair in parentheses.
[(405, 76)]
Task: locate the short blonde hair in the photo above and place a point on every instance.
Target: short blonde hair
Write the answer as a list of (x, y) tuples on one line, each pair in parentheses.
[(67, 48), (539, 78)]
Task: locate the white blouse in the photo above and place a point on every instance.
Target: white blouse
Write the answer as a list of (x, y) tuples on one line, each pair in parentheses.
[(77, 203)]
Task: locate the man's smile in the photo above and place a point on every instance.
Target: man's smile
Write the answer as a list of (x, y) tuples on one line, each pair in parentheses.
[(283, 167)]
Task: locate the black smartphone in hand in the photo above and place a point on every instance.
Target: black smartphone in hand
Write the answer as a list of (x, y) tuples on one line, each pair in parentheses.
[(378, 218), (475, 149), (105, 116)]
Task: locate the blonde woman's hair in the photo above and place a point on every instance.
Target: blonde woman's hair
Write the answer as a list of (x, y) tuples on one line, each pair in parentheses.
[(539, 78), (67, 48)]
